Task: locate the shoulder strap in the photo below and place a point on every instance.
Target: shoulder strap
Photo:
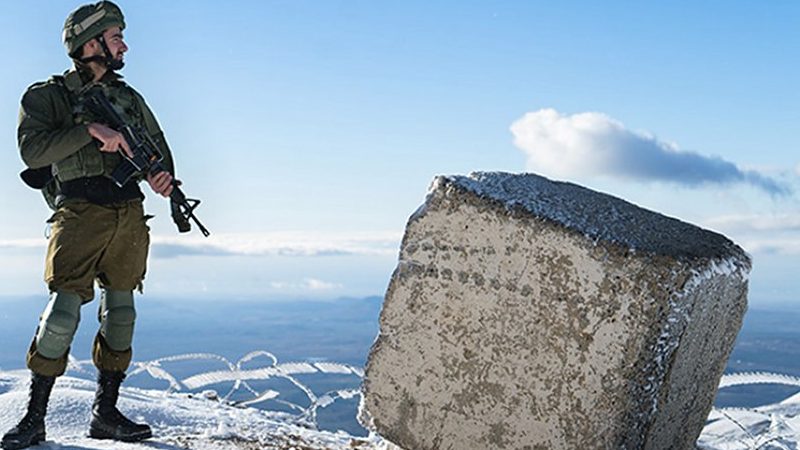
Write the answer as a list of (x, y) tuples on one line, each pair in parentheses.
[(71, 80)]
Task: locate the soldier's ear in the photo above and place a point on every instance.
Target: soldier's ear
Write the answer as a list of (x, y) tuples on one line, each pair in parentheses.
[(90, 48)]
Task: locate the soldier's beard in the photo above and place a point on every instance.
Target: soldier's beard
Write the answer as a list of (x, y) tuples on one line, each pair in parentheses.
[(110, 63), (115, 64)]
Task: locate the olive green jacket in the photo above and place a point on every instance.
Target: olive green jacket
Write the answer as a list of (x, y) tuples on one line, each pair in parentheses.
[(52, 129)]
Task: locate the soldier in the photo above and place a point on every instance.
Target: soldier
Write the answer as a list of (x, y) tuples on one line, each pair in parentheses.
[(98, 231)]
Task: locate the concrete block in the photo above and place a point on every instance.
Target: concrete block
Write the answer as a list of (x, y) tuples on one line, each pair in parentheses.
[(531, 314)]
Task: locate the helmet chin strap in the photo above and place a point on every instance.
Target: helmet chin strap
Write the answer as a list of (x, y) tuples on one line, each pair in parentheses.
[(106, 59)]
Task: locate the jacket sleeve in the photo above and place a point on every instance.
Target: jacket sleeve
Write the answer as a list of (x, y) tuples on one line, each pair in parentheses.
[(154, 129), (46, 132)]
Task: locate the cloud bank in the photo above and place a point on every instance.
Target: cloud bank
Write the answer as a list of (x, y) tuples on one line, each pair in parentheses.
[(22, 244), (775, 223), (291, 244), (308, 284), (773, 234), (594, 144), (299, 244)]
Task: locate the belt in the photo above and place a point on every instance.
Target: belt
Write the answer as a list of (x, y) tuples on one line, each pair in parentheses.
[(99, 190)]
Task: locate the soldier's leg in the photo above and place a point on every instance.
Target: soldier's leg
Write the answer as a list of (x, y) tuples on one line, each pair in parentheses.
[(30, 430), (48, 353), (123, 264), (112, 355), (78, 234), (117, 316), (47, 359), (122, 269)]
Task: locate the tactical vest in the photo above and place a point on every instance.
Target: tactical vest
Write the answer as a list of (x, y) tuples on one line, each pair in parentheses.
[(89, 161)]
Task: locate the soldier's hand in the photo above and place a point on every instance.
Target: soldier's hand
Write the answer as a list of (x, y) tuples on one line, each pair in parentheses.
[(161, 183), (112, 140)]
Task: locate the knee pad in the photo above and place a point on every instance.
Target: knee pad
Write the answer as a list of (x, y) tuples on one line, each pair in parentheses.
[(59, 322), (117, 317)]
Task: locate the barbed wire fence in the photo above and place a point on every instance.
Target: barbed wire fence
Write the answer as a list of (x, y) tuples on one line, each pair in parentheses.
[(760, 428), (241, 379)]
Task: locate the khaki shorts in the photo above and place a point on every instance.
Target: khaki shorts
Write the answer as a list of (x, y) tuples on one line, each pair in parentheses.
[(91, 242)]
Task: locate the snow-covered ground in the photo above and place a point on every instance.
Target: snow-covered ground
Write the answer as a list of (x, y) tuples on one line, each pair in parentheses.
[(179, 420), (768, 427), (203, 420)]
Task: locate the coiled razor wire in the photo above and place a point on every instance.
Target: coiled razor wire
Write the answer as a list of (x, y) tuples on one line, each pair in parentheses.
[(776, 432), (774, 435), (239, 377)]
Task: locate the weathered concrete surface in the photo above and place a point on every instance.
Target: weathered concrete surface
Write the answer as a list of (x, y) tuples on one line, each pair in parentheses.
[(528, 314)]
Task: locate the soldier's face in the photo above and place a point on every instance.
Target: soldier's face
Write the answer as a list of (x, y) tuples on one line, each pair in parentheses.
[(116, 44)]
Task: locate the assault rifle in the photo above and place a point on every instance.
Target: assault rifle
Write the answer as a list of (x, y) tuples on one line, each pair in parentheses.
[(146, 159)]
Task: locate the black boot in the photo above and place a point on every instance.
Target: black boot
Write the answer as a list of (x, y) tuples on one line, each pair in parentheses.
[(30, 430), (107, 421)]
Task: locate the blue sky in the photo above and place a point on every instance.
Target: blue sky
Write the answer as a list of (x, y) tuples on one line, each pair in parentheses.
[(311, 129)]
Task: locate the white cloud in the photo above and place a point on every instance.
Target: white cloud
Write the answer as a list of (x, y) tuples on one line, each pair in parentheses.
[(756, 223), (303, 244), (23, 243), (308, 284), (761, 233), (768, 246), (594, 144), (319, 285)]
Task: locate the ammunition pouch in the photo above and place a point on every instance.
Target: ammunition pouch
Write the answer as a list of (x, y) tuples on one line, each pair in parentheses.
[(37, 178), (42, 179)]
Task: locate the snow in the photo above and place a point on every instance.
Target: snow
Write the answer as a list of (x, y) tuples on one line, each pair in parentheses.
[(598, 216), (179, 420), (203, 421), (768, 427), (206, 420), (679, 317), (772, 426)]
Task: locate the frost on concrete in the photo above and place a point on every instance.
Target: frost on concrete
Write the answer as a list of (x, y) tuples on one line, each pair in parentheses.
[(527, 313)]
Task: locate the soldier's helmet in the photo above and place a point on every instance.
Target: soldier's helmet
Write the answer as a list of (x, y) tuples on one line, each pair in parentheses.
[(89, 21)]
